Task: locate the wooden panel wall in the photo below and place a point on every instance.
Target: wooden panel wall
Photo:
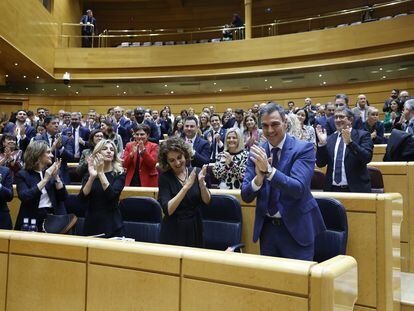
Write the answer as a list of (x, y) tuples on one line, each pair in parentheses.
[(377, 92), (68, 11)]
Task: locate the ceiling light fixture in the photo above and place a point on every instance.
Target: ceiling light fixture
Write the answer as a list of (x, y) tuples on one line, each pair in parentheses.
[(324, 82), (265, 80), (214, 83), (220, 90), (69, 86), (27, 89), (320, 75), (24, 77), (384, 77), (117, 86), (270, 87), (6, 76), (165, 85), (43, 90), (125, 92), (37, 77), (16, 64), (172, 92)]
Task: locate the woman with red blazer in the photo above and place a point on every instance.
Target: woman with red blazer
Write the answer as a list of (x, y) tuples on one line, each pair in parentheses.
[(140, 159)]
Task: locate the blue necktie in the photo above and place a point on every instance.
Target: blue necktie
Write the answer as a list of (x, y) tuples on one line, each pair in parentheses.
[(272, 209), (339, 162)]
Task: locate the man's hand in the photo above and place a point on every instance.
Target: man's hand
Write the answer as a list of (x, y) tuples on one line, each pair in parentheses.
[(321, 133), (346, 135), (259, 158)]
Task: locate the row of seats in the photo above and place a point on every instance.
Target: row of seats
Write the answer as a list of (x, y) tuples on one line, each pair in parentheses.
[(161, 43), (222, 223)]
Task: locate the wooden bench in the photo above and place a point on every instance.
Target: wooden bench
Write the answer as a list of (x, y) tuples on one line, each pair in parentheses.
[(54, 272), (374, 239)]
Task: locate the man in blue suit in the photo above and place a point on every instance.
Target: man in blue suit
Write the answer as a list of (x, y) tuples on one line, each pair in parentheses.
[(60, 145), (346, 154), (278, 175), (215, 136), (201, 147), (78, 135)]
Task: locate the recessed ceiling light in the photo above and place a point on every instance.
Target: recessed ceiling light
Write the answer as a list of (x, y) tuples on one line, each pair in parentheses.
[(165, 85), (77, 92), (54, 89), (125, 92), (220, 90), (37, 77), (401, 69), (265, 80), (384, 77), (6, 76), (69, 86), (324, 82), (172, 92), (380, 69), (27, 89), (214, 83), (43, 90), (270, 87), (24, 77), (320, 75), (374, 71), (117, 86), (16, 64), (287, 81)]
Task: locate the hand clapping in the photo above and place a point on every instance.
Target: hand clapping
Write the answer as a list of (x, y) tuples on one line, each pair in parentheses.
[(346, 135), (259, 158), (202, 174), (321, 133), (190, 180)]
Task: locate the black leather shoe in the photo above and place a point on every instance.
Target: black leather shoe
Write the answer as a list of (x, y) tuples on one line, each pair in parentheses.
[(59, 223)]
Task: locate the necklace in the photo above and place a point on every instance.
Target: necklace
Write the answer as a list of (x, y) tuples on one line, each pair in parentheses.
[(182, 181)]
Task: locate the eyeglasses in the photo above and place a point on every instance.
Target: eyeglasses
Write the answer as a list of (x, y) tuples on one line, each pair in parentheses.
[(340, 117)]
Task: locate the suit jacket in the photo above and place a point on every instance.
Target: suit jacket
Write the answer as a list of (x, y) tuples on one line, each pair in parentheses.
[(298, 208), (321, 121), (148, 172), (202, 152), (213, 145), (6, 191), (29, 195), (23, 143), (66, 155), (379, 128), (400, 147), (83, 133), (87, 29), (357, 155), (331, 128)]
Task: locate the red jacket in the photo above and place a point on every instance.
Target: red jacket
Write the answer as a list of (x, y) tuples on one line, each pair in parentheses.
[(147, 171)]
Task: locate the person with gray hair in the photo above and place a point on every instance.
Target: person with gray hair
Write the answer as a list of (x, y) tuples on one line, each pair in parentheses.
[(346, 154), (278, 176), (408, 115)]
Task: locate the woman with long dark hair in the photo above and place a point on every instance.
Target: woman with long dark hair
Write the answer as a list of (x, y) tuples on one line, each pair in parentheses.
[(94, 138)]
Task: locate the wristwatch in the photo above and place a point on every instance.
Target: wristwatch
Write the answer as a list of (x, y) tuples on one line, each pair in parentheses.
[(268, 171)]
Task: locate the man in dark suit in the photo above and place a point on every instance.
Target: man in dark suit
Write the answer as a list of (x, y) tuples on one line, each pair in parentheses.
[(200, 146), (215, 136), (6, 195), (408, 115), (346, 153), (287, 216), (88, 29), (311, 111), (236, 121), (60, 145), (121, 123), (394, 97), (323, 120), (78, 135), (139, 112), (21, 130)]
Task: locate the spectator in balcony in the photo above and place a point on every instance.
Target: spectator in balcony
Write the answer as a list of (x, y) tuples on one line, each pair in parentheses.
[(393, 97), (375, 127), (392, 117), (230, 165), (88, 28), (10, 155)]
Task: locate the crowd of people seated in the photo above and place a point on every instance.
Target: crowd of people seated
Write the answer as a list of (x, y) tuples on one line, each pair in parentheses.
[(180, 154)]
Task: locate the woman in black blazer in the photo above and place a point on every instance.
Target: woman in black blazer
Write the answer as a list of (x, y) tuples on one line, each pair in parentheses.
[(40, 190), (6, 195), (101, 188)]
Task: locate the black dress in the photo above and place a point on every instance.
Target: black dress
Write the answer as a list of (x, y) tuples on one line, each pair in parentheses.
[(184, 226), (102, 214)]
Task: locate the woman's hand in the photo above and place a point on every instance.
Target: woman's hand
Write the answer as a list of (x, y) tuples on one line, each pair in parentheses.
[(228, 158), (99, 163), (57, 164), (202, 175), (91, 166), (141, 146), (50, 171), (190, 180)]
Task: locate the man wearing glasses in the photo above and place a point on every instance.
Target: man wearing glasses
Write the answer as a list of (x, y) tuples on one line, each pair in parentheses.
[(346, 154)]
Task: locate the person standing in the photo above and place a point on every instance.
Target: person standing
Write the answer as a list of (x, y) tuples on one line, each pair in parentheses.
[(6, 195), (278, 176), (88, 28)]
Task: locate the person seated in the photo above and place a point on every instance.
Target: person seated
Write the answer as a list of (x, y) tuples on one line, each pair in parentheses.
[(215, 137), (40, 189), (182, 193), (101, 189), (6, 195), (392, 118), (346, 154), (230, 164), (308, 132), (140, 159), (10, 155), (252, 134), (200, 147), (94, 138), (375, 127)]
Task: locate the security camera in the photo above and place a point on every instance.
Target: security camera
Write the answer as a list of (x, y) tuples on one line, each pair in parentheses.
[(66, 78)]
